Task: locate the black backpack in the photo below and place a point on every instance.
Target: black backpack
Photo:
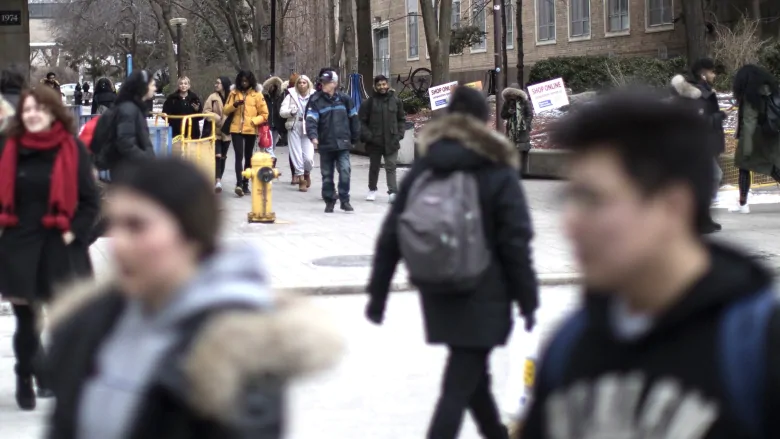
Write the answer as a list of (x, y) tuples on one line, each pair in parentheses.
[(103, 143), (771, 121)]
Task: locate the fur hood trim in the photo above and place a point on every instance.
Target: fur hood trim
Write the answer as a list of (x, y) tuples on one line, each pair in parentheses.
[(274, 80), (233, 348), (473, 135), (684, 88), (515, 93)]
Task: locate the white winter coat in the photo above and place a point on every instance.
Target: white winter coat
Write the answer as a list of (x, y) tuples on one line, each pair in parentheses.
[(291, 109)]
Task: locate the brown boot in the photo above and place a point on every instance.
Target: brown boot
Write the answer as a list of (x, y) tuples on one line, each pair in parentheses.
[(295, 180), (302, 185), (307, 178)]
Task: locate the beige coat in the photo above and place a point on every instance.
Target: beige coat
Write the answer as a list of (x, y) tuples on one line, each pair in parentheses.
[(214, 105)]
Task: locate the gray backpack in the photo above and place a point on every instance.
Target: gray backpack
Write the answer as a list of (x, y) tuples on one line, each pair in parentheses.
[(441, 235)]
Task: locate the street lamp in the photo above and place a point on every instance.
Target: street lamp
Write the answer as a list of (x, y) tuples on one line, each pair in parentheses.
[(179, 23), (128, 54)]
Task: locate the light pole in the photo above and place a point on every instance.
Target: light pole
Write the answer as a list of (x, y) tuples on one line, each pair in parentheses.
[(128, 54), (273, 36), (498, 31), (179, 23)]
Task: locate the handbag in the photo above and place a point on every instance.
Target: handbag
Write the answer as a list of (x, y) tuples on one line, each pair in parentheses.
[(226, 125), (264, 138)]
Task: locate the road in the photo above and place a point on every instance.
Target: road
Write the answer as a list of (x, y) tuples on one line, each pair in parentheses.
[(385, 388)]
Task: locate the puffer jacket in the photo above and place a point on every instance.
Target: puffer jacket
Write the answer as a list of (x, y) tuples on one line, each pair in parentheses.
[(382, 123), (293, 109), (702, 92), (512, 98), (273, 92), (249, 116), (332, 121), (214, 105)]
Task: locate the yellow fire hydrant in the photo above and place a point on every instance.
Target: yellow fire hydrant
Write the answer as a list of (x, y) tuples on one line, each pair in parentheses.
[(262, 175)]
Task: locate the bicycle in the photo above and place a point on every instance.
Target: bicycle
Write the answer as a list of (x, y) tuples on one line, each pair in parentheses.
[(418, 81)]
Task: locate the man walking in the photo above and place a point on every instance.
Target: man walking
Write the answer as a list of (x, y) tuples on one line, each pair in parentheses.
[(382, 121), (332, 126)]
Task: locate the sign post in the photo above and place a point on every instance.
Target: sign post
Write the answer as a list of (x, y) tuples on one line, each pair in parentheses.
[(440, 95), (549, 95)]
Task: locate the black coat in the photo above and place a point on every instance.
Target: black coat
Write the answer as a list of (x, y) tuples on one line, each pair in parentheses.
[(708, 107), (175, 105), (133, 141), (262, 350), (483, 318), (274, 102), (34, 259), (103, 98), (382, 123), (333, 121)]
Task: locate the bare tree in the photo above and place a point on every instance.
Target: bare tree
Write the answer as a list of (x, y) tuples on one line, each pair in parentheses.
[(364, 40), (695, 30), (740, 45), (437, 36)]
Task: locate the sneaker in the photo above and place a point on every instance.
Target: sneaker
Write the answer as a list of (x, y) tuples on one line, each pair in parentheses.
[(371, 196), (329, 206), (740, 208), (239, 191), (218, 187), (391, 199), (346, 207), (245, 188)]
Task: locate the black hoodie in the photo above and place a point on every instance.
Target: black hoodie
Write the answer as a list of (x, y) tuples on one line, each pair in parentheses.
[(678, 353)]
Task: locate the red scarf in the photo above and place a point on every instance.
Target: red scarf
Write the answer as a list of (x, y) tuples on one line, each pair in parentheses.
[(63, 194)]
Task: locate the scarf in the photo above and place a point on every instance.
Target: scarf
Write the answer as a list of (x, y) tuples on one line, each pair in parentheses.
[(63, 194)]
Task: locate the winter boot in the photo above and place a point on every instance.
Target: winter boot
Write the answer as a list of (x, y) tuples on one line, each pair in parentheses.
[(25, 392), (302, 186), (307, 177)]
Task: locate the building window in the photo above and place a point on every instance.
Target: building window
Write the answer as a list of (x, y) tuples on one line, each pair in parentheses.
[(545, 20), (509, 5), (412, 31), (659, 12), (479, 19), (456, 14), (579, 17), (617, 16)]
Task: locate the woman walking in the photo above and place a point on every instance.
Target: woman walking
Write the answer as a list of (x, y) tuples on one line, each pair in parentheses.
[(301, 148), (757, 151), (105, 95), (290, 85), (188, 341), (247, 106), (183, 102), (215, 104), (48, 206)]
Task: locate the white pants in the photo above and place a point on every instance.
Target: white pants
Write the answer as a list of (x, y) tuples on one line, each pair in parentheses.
[(301, 150)]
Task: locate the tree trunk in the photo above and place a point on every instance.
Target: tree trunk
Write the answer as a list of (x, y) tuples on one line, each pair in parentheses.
[(695, 30), (170, 55), (504, 56), (332, 37), (364, 41), (346, 11), (756, 9), (261, 47), (437, 36), (519, 44)]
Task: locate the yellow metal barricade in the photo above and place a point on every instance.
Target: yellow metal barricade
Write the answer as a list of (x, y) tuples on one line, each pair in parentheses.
[(199, 151)]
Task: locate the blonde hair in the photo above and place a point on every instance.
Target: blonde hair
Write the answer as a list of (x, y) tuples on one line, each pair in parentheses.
[(183, 79)]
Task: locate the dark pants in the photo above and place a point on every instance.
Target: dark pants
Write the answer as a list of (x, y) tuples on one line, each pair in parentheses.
[(330, 161), (221, 148), (391, 163), (466, 385), (746, 180), (243, 146), (27, 340)]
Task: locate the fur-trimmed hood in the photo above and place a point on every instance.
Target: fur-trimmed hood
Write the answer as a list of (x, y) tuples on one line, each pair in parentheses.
[(288, 338), (471, 134), (514, 93), (685, 89), (274, 81)]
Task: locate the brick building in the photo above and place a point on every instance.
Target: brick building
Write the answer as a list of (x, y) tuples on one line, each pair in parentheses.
[(550, 28)]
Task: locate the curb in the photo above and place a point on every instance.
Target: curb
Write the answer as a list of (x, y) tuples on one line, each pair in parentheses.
[(545, 280)]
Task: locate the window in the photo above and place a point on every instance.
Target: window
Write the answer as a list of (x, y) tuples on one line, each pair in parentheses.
[(545, 20), (617, 16), (456, 14), (479, 19), (412, 32), (579, 18), (509, 6), (659, 12)]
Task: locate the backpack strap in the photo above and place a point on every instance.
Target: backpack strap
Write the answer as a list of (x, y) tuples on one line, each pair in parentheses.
[(556, 360), (743, 339)]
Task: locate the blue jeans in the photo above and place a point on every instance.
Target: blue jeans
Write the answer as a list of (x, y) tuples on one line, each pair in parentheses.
[(329, 162)]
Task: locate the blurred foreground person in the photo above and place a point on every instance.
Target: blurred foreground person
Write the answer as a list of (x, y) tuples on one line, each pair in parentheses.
[(758, 143), (48, 205), (472, 265), (677, 337), (188, 341), (698, 86)]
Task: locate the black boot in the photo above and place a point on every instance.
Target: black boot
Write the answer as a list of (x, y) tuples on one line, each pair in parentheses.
[(245, 187), (25, 393)]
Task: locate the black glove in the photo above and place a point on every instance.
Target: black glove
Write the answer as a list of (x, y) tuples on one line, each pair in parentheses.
[(530, 322), (375, 312)]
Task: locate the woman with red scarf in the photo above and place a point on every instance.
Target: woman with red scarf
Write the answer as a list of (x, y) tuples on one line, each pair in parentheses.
[(48, 206)]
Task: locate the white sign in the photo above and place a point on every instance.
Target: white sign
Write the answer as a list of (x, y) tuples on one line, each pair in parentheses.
[(265, 33), (440, 94), (548, 95)]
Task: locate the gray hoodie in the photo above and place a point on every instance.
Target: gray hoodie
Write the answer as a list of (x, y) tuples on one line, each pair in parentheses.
[(129, 357)]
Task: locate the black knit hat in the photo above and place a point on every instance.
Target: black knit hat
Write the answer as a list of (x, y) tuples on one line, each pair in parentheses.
[(466, 100), (183, 190)]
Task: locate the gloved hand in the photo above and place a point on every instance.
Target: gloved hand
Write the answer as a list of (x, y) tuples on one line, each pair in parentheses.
[(375, 312), (530, 322)]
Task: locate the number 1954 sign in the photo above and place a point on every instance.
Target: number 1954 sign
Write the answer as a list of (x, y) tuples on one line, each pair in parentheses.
[(10, 18)]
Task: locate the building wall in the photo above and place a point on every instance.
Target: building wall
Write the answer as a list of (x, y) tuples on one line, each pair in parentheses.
[(474, 64)]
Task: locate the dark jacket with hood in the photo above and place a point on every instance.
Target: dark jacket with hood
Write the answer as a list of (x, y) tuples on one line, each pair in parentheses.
[(676, 359), (688, 89), (274, 102), (513, 97), (132, 142), (227, 346), (104, 95), (333, 121), (382, 123), (176, 105), (484, 318)]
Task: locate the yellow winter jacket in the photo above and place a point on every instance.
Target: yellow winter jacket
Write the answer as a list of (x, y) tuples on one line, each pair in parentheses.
[(249, 116)]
